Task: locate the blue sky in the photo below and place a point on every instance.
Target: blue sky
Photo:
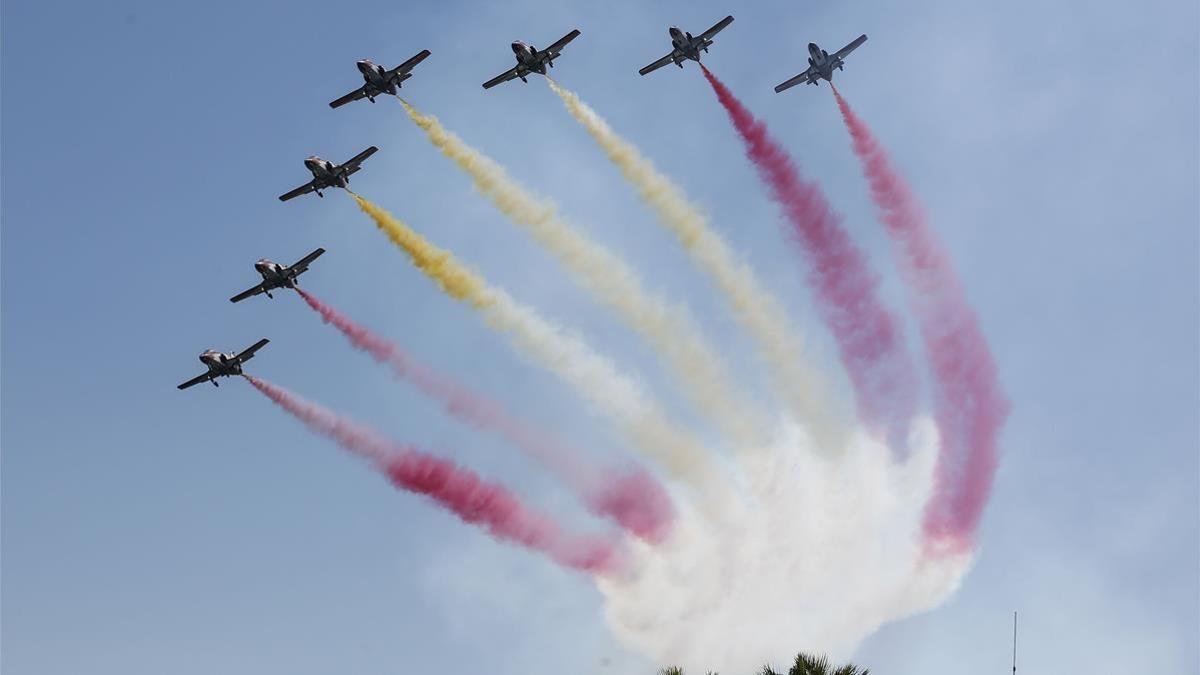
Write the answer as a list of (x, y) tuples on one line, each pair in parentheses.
[(147, 530)]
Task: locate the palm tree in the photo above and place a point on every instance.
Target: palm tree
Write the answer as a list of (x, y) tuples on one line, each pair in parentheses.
[(806, 664)]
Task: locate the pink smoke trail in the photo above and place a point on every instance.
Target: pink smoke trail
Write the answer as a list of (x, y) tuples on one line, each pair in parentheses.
[(459, 490), (870, 340), (631, 498), (969, 404)]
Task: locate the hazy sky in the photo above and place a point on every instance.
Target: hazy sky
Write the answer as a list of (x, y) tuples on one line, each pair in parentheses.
[(147, 530)]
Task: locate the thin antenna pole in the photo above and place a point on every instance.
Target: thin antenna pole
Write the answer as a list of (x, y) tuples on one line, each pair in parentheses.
[(1014, 643)]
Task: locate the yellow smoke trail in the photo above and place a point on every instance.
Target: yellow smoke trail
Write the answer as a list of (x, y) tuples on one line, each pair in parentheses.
[(758, 310), (668, 329), (596, 378), (452, 277)]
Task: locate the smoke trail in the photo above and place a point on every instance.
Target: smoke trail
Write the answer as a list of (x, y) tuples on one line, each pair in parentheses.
[(668, 329), (969, 403), (778, 343), (459, 490), (868, 336), (594, 377), (830, 550), (633, 499)]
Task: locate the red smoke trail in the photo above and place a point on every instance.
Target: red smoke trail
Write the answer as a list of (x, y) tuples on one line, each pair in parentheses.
[(633, 499), (869, 338), (969, 404), (461, 491)]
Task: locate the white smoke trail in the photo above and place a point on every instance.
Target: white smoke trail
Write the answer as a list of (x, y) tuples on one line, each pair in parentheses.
[(779, 344), (828, 551), (594, 377), (668, 329)]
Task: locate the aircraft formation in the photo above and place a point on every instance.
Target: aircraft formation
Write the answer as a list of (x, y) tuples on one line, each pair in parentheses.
[(925, 430), (378, 81)]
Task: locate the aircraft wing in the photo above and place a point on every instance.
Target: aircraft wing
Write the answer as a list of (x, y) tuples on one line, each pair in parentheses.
[(303, 263), (302, 190), (248, 353), (557, 47), (510, 74), (803, 78), (669, 58), (249, 293), (845, 51), (195, 380), (353, 164), (409, 64), (708, 34), (356, 95)]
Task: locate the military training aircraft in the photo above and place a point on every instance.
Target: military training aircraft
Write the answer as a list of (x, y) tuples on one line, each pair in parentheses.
[(326, 174), (277, 276), (821, 64), (684, 46), (530, 60), (379, 81), (223, 365)]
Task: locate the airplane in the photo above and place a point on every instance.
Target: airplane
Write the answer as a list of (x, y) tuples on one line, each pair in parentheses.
[(531, 60), (821, 64), (379, 81), (684, 46), (223, 365), (277, 276), (326, 174)]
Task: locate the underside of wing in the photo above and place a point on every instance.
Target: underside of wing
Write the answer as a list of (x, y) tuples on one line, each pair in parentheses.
[(410, 64), (669, 58), (249, 351), (562, 42), (249, 293), (507, 75), (845, 51), (195, 380), (720, 25), (302, 190), (303, 263), (353, 163), (356, 95), (802, 78)]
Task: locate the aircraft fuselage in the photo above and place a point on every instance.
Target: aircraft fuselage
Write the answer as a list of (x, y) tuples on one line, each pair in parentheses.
[(377, 80), (531, 60), (686, 46), (325, 173), (822, 62), (275, 275), (220, 364)]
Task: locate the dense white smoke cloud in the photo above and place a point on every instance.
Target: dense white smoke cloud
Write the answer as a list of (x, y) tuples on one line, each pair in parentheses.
[(825, 549)]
